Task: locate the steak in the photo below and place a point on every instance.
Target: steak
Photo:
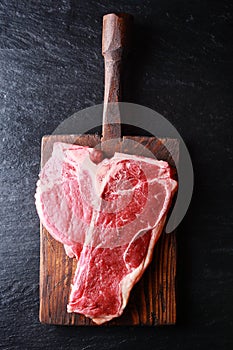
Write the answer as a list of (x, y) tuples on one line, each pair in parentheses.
[(108, 216)]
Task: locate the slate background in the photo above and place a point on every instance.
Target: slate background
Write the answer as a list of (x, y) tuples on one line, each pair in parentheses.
[(51, 66)]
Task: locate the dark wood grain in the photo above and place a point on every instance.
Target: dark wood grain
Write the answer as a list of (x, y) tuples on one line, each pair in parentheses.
[(152, 300)]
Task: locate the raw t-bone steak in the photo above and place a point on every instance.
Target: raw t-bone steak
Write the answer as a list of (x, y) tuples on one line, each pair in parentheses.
[(109, 216)]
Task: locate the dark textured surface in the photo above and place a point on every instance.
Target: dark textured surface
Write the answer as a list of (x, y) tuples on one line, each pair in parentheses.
[(51, 66)]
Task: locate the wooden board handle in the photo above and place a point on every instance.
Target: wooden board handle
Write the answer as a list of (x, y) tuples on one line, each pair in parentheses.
[(116, 36)]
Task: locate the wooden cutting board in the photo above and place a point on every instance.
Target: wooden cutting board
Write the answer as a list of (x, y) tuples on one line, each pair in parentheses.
[(153, 299)]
